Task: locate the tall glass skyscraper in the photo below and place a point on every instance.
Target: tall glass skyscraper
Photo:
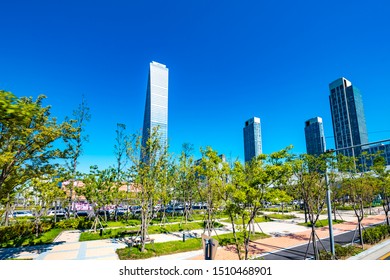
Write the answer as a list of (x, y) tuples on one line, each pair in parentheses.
[(349, 122), (156, 105), (314, 135), (252, 139)]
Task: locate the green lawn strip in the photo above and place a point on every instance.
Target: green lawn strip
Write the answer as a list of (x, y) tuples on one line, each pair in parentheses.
[(174, 247), (285, 210), (122, 223), (46, 238), (281, 216), (261, 219), (321, 223), (154, 229)]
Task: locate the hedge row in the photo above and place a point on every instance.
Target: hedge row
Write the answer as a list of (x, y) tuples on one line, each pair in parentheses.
[(375, 234), (75, 223), (22, 230)]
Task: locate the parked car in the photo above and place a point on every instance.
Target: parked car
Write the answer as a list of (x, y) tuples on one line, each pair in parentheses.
[(120, 211), (135, 209), (59, 212), (22, 213), (82, 213)]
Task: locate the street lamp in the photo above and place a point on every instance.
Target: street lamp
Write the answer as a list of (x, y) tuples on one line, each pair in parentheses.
[(328, 200)]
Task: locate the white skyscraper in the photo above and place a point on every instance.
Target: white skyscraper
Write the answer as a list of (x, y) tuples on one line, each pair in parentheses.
[(156, 105)]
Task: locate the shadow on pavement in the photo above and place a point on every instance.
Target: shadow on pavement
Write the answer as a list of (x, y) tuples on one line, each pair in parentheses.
[(12, 253)]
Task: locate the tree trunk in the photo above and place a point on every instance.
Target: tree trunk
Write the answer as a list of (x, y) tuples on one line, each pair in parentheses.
[(361, 233), (314, 240), (236, 242), (55, 211), (305, 209), (144, 227), (386, 209), (7, 212)]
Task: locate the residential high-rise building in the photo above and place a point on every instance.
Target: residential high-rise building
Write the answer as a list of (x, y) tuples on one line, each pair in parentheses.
[(156, 105), (252, 139), (314, 135), (349, 122)]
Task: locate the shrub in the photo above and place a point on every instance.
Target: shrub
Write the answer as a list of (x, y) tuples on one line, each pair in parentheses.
[(16, 231), (341, 252), (375, 234), (75, 223)]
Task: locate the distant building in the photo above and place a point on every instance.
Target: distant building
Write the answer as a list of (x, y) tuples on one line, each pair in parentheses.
[(156, 105), (314, 135), (349, 122), (381, 149), (252, 139)]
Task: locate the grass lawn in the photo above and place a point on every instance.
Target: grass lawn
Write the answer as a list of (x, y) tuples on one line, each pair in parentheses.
[(321, 223), (281, 216), (122, 232), (260, 219), (122, 223), (173, 247), (46, 238)]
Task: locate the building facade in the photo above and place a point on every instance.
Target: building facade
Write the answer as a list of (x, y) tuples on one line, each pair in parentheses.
[(252, 139), (349, 122), (372, 151), (315, 137), (156, 105)]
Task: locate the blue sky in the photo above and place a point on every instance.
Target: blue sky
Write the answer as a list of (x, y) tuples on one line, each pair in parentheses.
[(228, 61)]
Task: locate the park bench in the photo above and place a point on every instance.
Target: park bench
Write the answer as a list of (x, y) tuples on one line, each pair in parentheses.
[(134, 241)]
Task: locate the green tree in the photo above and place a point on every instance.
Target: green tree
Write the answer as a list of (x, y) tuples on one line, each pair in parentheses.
[(383, 175), (309, 182), (360, 188), (209, 171), (75, 140), (27, 135), (249, 188), (148, 172), (187, 182), (99, 190), (46, 191), (120, 147)]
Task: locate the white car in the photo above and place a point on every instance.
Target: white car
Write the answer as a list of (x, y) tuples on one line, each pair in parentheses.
[(22, 213), (58, 212)]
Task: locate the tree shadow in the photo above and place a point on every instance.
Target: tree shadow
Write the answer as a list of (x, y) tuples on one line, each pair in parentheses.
[(14, 252)]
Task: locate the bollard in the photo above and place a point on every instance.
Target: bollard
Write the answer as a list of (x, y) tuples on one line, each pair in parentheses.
[(101, 232), (184, 237), (208, 250)]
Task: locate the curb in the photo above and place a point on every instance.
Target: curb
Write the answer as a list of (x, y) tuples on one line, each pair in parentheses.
[(370, 251)]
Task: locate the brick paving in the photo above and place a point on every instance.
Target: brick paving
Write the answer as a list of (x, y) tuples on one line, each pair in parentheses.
[(272, 244), (285, 234)]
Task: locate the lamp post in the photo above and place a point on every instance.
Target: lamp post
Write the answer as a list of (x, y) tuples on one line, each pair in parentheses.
[(328, 199), (329, 207)]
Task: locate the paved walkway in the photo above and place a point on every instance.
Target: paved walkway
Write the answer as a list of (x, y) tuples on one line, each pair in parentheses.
[(273, 244), (284, 234)]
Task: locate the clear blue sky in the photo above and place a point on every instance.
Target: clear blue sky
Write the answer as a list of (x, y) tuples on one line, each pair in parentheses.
[(228, 61)]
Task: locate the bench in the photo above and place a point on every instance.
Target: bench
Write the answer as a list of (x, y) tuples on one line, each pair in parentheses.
[(137, 241)]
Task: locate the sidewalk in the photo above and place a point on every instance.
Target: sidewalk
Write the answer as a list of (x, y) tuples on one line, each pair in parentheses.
[(273, 244), (284, 234)]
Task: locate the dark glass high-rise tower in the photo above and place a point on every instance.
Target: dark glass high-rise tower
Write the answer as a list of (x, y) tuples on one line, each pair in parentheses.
[(314, 135), (349, 122), (156, 105), (252, 139)]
